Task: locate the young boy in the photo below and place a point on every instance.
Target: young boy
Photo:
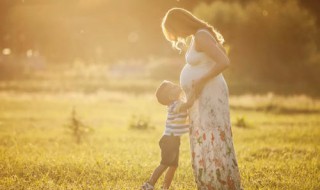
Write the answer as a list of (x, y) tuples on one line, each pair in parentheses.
[(169, 94)]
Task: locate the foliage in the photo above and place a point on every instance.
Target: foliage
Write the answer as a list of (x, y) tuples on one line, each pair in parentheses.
[(11, 67), (271, 103), (66, 30), (242, 122), (78, 129), (140, 122), (271, 40)]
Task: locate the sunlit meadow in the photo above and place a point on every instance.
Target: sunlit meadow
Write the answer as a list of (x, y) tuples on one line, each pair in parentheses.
[(276, 137), (77, 83)]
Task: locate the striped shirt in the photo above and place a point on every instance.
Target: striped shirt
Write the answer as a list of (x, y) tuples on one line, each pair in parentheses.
[(177, 121)]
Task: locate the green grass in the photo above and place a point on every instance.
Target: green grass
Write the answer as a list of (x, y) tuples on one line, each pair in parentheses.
[(280, 149)]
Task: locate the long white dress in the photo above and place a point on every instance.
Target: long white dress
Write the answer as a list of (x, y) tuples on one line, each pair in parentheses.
[(213, 157)]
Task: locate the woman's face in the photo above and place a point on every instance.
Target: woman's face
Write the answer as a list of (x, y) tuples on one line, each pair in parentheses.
[(182, 31), (176, 29), (171, 37)]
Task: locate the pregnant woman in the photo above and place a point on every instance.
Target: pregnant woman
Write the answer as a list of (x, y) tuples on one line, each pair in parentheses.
[(214, 161)]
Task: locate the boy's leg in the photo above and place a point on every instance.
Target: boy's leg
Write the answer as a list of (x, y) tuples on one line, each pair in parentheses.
[(174, 164), (156, 174), (169, 176)]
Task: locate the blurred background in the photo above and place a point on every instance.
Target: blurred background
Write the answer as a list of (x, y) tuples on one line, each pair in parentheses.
[(274, 45), (77, 83)]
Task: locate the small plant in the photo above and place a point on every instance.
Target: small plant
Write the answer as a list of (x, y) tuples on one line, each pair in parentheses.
[(140, 122), (242, 122), (78, 129)]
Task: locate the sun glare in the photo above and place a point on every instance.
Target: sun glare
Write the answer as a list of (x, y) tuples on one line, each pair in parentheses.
[(6, 51)]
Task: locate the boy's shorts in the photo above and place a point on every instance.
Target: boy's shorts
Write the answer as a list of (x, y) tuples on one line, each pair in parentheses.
[(169, 146)]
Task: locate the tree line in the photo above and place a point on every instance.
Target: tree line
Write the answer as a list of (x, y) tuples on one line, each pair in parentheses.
[(274, 40)]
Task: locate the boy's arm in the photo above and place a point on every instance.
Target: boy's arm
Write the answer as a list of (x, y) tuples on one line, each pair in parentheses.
[(187, 105)]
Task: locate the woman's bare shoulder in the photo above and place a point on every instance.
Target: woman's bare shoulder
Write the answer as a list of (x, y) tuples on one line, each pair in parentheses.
[(204, 35), (204, 39)]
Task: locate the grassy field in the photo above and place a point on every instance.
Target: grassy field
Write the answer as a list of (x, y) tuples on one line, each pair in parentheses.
[(277, 148)]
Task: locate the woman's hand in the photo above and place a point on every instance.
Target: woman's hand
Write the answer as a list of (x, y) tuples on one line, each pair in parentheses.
[(197, 86), (191, 99), (188, 104)]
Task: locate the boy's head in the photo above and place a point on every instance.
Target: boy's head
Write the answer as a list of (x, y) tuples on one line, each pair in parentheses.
[(168, 92)]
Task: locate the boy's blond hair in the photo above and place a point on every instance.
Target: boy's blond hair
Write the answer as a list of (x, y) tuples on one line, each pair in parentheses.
[(161, 93)]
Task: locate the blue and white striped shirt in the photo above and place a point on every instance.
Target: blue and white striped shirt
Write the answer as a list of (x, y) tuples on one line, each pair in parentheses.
[(177, 121)]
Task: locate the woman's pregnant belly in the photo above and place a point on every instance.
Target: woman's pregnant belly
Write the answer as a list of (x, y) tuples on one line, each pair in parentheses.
[(190, 73)]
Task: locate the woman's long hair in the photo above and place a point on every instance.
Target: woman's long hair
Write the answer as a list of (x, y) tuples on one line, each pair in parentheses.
[(179, 23)]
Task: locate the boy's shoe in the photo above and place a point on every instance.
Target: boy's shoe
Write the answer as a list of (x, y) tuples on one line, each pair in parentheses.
[(147, 186)]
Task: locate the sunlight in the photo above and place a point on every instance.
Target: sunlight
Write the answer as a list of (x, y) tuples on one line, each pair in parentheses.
[(29, 53), (78, 93), (6, 51)]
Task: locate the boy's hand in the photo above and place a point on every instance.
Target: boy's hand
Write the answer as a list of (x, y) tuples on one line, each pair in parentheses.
[(188, 104)]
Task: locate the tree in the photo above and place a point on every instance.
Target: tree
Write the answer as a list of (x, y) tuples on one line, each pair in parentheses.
[(273, 40)]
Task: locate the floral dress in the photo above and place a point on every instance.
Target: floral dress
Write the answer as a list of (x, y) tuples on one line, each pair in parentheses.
[(213, 157)]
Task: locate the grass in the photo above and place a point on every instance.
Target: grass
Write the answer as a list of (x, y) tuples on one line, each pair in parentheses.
[(280, 149), (276, 137)]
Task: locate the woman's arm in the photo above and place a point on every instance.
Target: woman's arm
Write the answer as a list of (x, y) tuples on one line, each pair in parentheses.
[(205, 43)]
